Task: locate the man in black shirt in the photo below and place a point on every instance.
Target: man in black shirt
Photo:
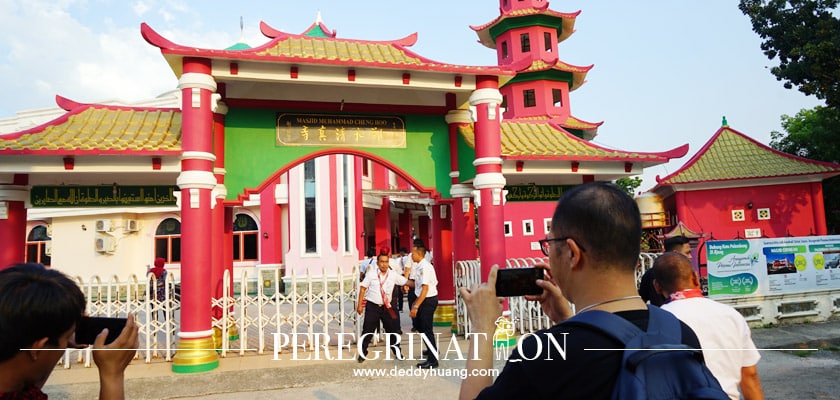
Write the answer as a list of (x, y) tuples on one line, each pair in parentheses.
[(593, 248)]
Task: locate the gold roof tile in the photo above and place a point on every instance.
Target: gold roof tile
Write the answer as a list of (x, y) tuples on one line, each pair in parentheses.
[(730, 155), (528, 138), (98, 128)]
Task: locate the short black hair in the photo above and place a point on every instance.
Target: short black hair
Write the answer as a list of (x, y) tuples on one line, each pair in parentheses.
[(370, 252), (602, 219), (36, 302), (673, 271), (672, 243)]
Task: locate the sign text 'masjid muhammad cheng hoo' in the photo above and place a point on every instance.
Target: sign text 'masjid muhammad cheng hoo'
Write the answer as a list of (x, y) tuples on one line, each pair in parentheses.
[(340, 130)]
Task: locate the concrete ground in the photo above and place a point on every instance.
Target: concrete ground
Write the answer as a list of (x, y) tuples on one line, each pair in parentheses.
[(259, 377)]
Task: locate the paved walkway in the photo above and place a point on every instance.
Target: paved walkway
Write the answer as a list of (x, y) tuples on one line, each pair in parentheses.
[(260, 377)]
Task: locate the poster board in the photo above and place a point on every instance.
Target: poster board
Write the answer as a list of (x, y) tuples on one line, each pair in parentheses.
[(758, 267)]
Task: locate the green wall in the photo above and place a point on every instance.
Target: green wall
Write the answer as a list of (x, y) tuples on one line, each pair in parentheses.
[(252, 156)]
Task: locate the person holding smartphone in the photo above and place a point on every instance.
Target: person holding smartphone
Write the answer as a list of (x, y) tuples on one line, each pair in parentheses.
[(39, 310)]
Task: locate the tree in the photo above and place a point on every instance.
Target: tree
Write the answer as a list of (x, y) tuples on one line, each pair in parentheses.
[(813, 134), (629, 185), (805, 36)]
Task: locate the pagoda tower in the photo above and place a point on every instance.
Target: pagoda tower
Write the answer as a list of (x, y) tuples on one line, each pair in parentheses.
[(526, 37)]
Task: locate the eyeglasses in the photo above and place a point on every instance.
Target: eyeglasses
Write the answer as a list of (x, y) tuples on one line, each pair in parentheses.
[(545, 244)]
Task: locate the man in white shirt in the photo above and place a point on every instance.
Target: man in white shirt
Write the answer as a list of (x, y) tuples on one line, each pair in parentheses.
[(423, 308), (374, 299), (720, 328)]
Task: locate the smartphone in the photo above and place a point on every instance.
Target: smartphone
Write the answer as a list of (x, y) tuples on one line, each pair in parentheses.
[(88, 327), (518, 281)]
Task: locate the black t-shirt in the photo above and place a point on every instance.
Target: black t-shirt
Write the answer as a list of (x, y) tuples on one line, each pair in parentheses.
[(583, 374)]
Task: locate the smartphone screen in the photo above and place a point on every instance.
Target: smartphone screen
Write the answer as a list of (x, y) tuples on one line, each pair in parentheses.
[(88, 327), (518, 281)]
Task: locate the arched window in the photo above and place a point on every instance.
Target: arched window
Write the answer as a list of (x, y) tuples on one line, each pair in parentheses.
[(168, 241), (245, 238), (38, 246)]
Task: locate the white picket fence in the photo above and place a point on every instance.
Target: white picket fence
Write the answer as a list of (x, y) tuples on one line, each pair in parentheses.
[(245, 322), (526, 316), (304, 304)]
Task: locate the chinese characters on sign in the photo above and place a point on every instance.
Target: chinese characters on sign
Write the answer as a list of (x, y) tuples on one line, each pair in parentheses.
[(102, 196), (340, 130)]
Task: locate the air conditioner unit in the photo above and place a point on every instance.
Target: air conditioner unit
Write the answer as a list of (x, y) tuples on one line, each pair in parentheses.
[(49, 230), (132, 225), (103, 225), (48, 248), (105, 244)]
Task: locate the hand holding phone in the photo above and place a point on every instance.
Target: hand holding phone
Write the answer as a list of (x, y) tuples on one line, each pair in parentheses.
[(518, 281), (89, 327)]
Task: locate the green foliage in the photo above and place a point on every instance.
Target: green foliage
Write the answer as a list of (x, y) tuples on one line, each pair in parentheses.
[(815, 134), (804, 35), (629, 185)]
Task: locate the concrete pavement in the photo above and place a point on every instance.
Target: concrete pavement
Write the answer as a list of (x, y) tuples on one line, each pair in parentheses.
[(261, 377)]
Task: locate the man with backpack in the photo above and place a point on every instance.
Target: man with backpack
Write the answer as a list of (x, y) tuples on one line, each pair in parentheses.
[(593, 248), (718, 326)]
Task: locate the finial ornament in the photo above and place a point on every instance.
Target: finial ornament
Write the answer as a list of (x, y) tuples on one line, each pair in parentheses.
[(723, 123)]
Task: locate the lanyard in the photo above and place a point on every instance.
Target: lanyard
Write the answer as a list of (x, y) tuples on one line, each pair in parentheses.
[(385, 301)]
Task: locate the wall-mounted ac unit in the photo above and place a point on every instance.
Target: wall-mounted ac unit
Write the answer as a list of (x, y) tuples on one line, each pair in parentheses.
[(103, 225), (105, 244), (132, 225), (48, 248), (49, 230)]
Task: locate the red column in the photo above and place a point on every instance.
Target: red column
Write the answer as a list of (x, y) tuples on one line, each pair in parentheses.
[(196, 181), (489, 180), (361, 240), (819, 209), (423, 231), (442, 256), (463, 231), (405, 229), (13, 220), (382, 219), (218, 244)]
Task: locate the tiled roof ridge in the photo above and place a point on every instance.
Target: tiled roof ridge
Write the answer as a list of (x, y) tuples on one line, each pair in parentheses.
[(525, 12), (167, 46), (273, 33), (761, 146)]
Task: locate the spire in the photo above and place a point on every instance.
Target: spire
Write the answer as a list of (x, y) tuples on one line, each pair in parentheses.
[(318, 19), (240, 45), (723, 123)]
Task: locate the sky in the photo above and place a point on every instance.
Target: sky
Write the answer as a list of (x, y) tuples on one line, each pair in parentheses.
[(665, 72)]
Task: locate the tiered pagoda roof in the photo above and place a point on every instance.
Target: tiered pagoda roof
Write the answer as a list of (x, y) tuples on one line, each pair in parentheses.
[(95, 129), (534, 139), (313, 49), (488, 32), (730, 155)]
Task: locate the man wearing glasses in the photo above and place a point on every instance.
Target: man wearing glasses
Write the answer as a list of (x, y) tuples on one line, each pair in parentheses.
[(592, 248)]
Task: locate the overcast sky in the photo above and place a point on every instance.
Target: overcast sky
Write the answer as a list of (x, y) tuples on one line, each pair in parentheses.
[(665, 71)]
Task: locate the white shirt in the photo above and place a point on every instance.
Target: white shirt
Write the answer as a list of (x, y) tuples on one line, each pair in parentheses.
[(424, 274), (367, 263), (395, 266), (388, 279), (719, 326)]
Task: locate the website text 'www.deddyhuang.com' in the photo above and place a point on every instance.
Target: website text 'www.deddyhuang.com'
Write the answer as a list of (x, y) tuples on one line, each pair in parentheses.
[(461, 373)]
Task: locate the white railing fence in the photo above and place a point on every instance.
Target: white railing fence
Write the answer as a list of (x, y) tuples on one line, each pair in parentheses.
[(526, 316), (308, 306), (302, 306)]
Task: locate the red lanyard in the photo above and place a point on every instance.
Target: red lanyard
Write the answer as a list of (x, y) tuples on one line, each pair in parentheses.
[(385, 301), (685, 294)]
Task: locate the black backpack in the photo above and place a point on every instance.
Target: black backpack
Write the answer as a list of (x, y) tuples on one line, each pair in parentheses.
[(655, 365)]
